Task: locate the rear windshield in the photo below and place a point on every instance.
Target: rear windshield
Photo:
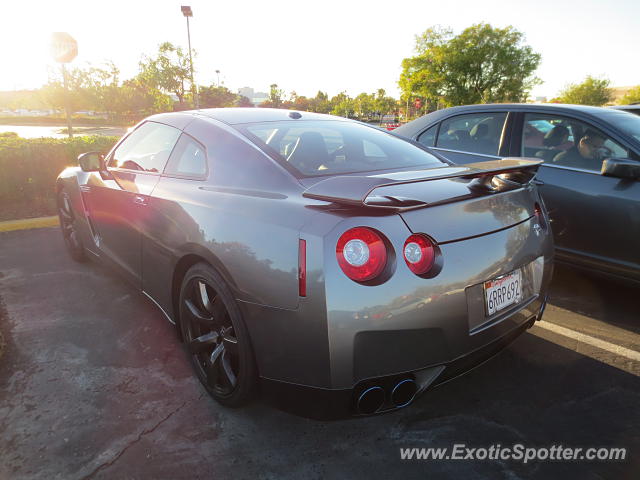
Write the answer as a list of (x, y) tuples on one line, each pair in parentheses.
[(313, 148)]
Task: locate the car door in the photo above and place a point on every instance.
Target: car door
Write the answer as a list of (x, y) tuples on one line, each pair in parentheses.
[(594, 217), (118, 199), (470, 137)]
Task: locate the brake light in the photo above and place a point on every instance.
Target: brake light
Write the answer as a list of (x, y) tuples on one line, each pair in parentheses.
[(302, 268), (419, 253), (361, 254)]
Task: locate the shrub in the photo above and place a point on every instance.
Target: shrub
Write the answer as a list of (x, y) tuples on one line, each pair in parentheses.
[(29, 167)]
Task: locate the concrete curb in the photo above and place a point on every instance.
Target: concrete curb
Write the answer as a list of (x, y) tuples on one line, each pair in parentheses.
[(29, 223)]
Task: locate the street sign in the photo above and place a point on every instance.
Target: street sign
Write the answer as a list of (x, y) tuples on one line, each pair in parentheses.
[(418, 103), (64, 48)]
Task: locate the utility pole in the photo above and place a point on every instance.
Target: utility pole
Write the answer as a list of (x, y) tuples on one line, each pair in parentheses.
[(187, 12), (64, 49), (67, 108)]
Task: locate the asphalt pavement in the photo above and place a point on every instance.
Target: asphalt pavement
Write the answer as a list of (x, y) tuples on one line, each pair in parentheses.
[(94, 384)]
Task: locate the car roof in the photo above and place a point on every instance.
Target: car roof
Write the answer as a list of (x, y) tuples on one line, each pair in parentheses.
[(235, 115), (414, 127), (548, 106), (633, 106)]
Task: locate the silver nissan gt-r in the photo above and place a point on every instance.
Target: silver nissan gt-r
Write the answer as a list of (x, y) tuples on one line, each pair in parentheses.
[(342, 269)]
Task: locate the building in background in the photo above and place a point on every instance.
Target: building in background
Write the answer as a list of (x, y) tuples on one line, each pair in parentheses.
[(256, 97)]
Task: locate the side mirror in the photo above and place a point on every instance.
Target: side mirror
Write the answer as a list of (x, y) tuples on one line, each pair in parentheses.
[(621, 168), (91, 161)]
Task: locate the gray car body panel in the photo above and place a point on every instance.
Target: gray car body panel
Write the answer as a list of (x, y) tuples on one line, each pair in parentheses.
[(246, 219), (587, 209)]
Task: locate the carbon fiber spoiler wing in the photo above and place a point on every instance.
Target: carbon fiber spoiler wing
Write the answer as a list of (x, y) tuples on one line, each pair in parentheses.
[(355, 190)]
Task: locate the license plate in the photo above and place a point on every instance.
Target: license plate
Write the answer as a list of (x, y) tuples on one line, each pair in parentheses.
[(502, 292)]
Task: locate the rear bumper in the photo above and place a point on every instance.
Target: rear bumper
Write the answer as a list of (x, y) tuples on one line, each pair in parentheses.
[(331, 404)]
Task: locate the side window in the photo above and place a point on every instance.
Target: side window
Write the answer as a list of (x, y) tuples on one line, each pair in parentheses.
[(567, 142), (428, 137), (147, 148), (188, 158), (474, 133), (370, 149)]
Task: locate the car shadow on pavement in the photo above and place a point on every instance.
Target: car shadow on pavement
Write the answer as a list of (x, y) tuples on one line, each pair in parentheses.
[(595, 296)]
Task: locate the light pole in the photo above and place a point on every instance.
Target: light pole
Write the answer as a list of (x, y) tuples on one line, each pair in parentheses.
[(218, 74), (187, 12)]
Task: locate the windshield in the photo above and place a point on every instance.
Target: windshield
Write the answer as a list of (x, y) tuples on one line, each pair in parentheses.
[(314, 148), (626, 122)]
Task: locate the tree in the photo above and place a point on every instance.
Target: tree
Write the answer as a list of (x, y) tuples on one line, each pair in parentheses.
[(275, 99), (243, 101), (168, 71), (482, 64), (343, 105), (632, 96), (593, 91), (212, 97), (320, 103), (136, 99), (79, 83), (384, 104)]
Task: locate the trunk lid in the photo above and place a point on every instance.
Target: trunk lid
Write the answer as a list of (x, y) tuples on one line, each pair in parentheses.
[(447, 203)]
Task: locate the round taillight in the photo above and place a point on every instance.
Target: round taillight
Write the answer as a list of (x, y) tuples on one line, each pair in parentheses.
[(361, 254), (418, 253)]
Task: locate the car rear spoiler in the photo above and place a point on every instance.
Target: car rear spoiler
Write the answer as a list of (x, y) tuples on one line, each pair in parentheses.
[(357, 190)]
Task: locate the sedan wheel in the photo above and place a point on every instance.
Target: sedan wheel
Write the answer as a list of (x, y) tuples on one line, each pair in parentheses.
[(70, 233), (216, 337)]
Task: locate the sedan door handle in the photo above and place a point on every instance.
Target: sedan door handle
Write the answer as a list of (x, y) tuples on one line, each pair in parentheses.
[(538, 182), (139, 200)]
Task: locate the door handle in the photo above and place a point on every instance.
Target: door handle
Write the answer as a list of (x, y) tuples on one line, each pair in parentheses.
[(538, 182), (139, 200)]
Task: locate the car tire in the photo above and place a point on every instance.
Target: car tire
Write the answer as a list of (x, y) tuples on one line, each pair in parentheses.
[(216, 338), (69, 228)]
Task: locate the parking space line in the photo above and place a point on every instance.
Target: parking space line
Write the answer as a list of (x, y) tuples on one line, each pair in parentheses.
[(28, 223), (589, 340)]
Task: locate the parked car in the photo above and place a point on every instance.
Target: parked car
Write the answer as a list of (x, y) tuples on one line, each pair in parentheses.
[(633, 108), (342, 268), (590, 181)]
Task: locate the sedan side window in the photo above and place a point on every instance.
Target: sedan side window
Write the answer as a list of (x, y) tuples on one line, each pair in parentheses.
[(189, 158), (474, 133), (567, 142), (147, 148), (428, 137)]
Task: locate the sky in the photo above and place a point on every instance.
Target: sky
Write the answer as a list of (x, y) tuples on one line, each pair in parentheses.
[(349, 45)]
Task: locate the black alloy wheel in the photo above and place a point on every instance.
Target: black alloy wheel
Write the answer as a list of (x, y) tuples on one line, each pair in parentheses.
[(215, 337), (69, 229)]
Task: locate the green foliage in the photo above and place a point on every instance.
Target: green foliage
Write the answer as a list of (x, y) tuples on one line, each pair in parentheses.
[(632, 96), (29, 167), (99, 89), (214, 97), (275, 99), (320, 103), (168, 71), (243, 101), (482, 64), (342, 105), (593, 91)]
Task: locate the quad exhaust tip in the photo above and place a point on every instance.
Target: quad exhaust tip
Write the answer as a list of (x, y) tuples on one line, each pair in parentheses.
[(403, 393), (371, 400)]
